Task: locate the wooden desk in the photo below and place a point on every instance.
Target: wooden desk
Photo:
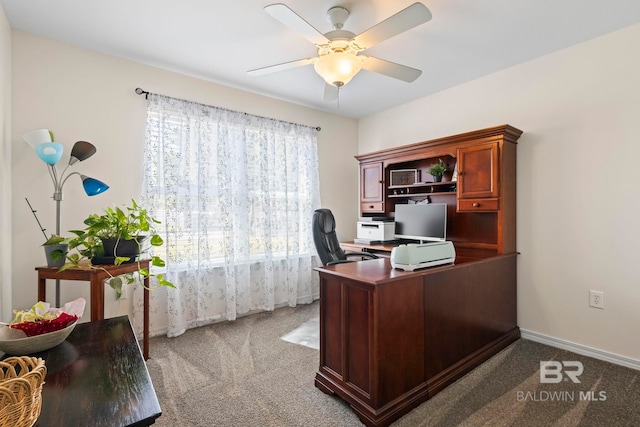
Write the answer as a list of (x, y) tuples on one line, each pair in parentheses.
[(97, 378), (96, 278), (390, 339)]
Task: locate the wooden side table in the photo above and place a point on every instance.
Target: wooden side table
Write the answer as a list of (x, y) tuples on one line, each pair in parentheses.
[(96, 278)]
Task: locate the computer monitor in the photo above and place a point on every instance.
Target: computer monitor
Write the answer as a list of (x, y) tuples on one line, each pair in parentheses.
[(426, 222)]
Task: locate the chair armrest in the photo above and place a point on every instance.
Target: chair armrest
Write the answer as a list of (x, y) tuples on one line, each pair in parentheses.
[(353, 254), (361, 254), (340, 261)]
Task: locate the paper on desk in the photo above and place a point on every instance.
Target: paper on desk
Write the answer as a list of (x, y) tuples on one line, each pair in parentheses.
[(74, 308)]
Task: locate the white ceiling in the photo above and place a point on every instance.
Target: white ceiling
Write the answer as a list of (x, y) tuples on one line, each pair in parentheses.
[(220, 40)]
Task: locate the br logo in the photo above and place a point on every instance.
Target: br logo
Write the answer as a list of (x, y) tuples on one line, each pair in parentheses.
[(553, 372)]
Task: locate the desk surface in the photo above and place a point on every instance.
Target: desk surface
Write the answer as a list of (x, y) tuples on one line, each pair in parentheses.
[(97, 377), (380, 271)]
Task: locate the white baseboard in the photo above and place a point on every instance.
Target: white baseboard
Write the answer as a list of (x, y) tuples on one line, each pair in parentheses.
[(581, 349)]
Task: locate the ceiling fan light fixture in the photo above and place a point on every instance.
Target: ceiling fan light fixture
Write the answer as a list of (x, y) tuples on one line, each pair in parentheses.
[(338, 69)]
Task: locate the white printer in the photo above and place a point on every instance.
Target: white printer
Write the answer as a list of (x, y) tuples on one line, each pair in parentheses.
[(375, 231), (414, 256)]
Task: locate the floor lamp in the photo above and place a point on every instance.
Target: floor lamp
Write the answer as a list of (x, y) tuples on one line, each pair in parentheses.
[(50, 152)]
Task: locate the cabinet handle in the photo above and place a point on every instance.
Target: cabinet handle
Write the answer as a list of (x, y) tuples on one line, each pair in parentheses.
[(370, 206), (476, 205)]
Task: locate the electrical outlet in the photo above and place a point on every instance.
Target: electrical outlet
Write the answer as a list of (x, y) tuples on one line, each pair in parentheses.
[(596, 299)]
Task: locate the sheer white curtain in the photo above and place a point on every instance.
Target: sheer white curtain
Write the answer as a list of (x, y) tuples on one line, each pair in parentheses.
[(235, 194)]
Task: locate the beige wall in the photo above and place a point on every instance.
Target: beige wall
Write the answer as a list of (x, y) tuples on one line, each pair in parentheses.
[(5, 168), (82, 95), (577, 176)]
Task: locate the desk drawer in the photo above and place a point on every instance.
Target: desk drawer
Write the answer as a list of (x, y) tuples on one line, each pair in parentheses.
[(478, 205), (372, 207)]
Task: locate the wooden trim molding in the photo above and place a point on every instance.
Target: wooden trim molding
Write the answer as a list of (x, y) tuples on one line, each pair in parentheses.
[(507, 132)]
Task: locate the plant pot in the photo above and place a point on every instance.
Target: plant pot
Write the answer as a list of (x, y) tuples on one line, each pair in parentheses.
[(119, 248), (437, 178), (48, 251)]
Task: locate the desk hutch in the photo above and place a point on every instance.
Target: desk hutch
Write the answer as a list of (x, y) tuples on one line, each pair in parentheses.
[(481, 202), (390, 339)]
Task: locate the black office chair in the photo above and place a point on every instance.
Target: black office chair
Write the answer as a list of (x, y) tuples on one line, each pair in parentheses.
[(326, 240)]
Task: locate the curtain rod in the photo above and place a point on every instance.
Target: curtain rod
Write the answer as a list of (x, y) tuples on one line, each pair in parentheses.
[(146, 94)]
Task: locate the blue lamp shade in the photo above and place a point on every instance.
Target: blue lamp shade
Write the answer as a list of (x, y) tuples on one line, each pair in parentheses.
[(93, 186), (50, 152)]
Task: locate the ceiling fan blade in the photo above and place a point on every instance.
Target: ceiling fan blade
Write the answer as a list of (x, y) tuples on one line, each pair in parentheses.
[(402, 21), (330, 93), (391, 69), (280, 67), (292, 20)]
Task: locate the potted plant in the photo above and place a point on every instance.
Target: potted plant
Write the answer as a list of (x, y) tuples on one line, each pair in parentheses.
[(437, 170), (117, 236), (55, 247), (55, 250)]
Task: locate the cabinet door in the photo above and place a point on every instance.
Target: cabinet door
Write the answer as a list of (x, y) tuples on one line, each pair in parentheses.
[(478, 178), (346, 336), (371, 187)]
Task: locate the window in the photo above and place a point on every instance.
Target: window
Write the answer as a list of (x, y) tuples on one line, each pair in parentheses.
[(232, 190)]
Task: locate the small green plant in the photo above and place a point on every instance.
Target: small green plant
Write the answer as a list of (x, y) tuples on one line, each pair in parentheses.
[(438, 169), (133, 223), (116, 223), (54, 254), (54, 240)]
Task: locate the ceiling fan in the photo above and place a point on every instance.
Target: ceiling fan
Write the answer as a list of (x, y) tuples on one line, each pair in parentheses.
[(340, 51)]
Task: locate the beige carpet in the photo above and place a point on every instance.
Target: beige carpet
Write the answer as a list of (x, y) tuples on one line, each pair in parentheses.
[(244, 374), (307, 334)]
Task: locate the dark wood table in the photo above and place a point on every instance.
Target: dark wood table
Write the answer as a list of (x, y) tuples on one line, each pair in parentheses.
[(96, 278), (98, 378)]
